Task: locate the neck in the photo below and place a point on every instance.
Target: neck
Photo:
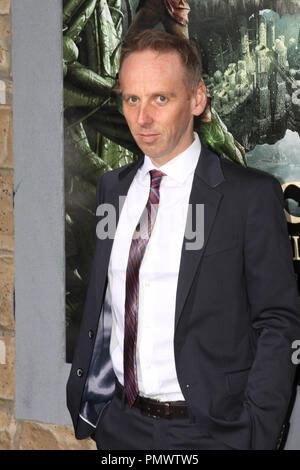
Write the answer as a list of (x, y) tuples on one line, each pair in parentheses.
[(160, 161)]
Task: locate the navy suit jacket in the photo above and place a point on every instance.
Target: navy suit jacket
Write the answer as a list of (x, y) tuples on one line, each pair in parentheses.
[(237, 310)]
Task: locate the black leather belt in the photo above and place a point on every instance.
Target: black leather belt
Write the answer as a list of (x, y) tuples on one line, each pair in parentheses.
[(156, 408)]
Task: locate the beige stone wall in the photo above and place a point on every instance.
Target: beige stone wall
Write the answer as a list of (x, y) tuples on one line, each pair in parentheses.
[(15, 434)]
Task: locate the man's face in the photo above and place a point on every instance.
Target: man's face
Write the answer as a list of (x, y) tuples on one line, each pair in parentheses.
[(157, 105)]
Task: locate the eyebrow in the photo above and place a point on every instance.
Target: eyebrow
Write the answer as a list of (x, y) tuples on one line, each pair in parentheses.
[(158, 93)]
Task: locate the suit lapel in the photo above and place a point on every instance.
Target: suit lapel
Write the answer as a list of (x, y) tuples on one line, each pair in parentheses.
[(208, 175), (114, 198), (125, 179)]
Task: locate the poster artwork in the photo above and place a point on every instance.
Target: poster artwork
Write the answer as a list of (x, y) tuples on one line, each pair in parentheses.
[(251, 61)]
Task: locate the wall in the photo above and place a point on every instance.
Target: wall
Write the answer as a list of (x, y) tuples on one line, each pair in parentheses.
[(15, 434)]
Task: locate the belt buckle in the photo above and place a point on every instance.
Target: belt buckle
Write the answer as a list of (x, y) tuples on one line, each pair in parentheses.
[(165, 407), (146, 411), (168, 410)]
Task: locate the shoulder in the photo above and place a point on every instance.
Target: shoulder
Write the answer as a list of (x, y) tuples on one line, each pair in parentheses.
[(112, 175), (252, 197), (249, 190), (247, 179), (111, 178)]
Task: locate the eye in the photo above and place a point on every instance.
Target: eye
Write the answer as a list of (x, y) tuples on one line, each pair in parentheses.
[(161, 99), (132, 99)]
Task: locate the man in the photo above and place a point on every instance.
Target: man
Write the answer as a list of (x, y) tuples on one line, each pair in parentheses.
[(186, 341)]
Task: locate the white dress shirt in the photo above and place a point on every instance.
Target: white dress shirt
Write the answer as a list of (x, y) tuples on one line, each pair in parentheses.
[(156, 372)]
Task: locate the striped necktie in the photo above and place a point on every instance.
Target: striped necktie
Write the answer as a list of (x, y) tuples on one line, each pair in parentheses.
[(138, 247)]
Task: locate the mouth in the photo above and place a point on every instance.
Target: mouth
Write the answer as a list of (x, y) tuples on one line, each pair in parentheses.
[(148, 138)]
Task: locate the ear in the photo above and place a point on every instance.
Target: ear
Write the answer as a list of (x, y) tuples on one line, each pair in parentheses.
[(200, 99)]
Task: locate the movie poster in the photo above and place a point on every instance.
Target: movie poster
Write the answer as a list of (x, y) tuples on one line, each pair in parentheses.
[(251, 62)]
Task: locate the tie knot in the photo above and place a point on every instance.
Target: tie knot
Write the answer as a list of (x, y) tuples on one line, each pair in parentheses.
[(156, 177)]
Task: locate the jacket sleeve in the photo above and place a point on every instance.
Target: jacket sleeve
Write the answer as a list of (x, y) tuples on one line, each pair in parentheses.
[(275, 312)]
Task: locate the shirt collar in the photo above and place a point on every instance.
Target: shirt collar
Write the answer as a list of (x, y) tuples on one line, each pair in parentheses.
[(181, 166)]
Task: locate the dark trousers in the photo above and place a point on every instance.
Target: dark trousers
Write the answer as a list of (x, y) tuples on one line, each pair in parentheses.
[(124, 428)]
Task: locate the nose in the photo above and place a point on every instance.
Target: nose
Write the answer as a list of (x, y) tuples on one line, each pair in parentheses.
[(144, 115)]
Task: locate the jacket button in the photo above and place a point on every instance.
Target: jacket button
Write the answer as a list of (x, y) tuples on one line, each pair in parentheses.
[(79, 372), (91, 334)]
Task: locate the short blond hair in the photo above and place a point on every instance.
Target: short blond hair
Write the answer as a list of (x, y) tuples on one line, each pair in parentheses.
[(162, 41)]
